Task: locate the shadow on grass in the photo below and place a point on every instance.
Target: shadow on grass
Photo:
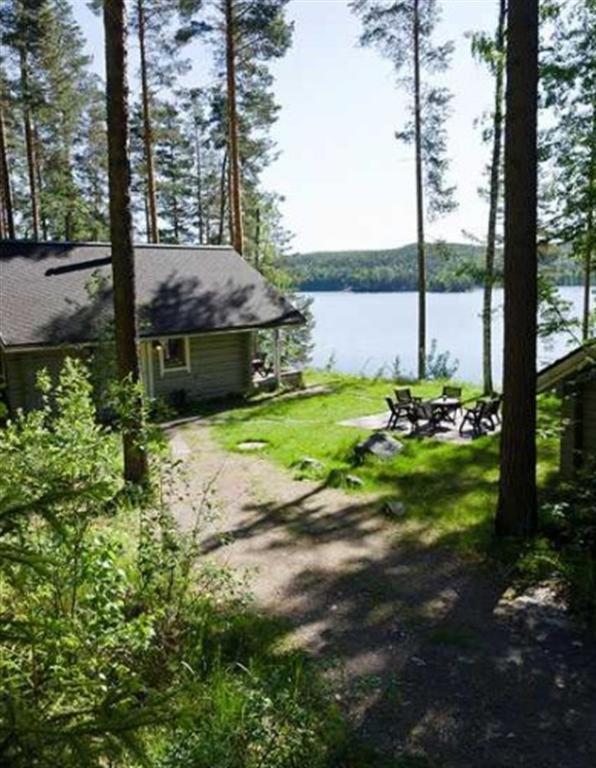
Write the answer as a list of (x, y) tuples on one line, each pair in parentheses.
[(432, 664)]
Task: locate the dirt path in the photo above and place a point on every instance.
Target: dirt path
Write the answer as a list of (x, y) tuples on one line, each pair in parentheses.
[(428, 654)]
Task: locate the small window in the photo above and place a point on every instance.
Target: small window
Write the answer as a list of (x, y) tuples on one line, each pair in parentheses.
[(174, 355)]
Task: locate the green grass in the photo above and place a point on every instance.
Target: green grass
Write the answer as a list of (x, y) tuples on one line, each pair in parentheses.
[(449, 489)]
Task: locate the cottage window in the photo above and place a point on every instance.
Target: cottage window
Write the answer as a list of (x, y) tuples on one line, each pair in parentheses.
[(174, 355)]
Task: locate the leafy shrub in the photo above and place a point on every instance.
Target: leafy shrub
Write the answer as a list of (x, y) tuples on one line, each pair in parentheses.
[(569, 522), (116, 647), (439, 365)]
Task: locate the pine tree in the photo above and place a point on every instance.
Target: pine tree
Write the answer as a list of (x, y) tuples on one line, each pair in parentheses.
[(7, 229), (246, 35), (175, 153), (22, 31), (517, 510), (123, 266), (492, 52), (569, 84), (402, 31)]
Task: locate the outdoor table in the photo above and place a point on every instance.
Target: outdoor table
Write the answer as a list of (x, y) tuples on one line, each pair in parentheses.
[(445, 407)]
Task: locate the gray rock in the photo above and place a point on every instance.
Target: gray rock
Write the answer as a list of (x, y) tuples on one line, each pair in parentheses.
[(353, 481), (394, 508), (379, 444), (309, 463)]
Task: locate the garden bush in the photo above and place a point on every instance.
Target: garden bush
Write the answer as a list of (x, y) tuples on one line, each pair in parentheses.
[(118, 645)]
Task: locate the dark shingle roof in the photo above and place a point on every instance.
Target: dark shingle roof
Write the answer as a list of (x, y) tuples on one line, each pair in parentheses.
[(567, 366), (55, 293)]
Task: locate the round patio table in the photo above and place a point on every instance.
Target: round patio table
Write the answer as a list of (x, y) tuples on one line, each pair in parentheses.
[(444, 408)]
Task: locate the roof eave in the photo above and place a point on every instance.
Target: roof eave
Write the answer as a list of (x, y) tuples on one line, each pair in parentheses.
[(292, 319)]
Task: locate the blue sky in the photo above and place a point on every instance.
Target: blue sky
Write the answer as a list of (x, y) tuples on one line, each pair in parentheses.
[(347, 183)]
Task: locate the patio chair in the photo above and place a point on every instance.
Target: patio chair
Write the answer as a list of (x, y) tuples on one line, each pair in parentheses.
[(475, 417), (452, 392), (404, 397), (492, 414), (453, 395), (394, 414), (261, 367), (420, 412)]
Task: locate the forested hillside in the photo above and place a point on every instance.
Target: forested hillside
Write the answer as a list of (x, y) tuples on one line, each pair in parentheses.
[(451, 267)]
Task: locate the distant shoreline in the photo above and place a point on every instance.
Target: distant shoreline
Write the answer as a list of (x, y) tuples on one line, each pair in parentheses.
[(451, 268), (498, 286)]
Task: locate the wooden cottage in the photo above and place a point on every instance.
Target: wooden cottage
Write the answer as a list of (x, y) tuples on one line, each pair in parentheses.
[(574, 378), (198, 309)]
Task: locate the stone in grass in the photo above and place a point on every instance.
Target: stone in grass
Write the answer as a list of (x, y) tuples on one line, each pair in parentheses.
[(394, 509), (380, 445), (252, 445), (353, 482), (339, 478), (308, 463)]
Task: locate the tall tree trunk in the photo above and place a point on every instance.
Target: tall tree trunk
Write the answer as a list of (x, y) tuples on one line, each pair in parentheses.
[(30, 144), (517, 512), (231, 211), (495, 169), (3, 222), (6, 192), (589, 246), (222, 197), (199, 190), (258, 238), (123, 266), (44, 218), (147, 128), (233, 143), (419, 201)]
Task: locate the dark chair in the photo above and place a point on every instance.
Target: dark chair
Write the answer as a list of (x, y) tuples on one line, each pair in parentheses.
[(261, 368), (404, 397), (452, 392), (492, 412), (474, 416), (394, 414), (420, 412)]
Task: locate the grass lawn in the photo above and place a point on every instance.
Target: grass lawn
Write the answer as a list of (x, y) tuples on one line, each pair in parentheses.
[(449, 489)]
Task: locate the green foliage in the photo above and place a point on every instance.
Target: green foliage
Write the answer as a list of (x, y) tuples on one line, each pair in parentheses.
[(297, 344), (450, 267), (439, 365), (569, 551), (569, 146), (253, 718), (389, 27), (449, 490), (117, 647), (66, 108)]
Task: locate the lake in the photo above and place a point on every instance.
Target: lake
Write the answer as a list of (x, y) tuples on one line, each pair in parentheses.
[(365, 331)]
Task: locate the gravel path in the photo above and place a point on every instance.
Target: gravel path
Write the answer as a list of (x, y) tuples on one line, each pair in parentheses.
[(429, 654)]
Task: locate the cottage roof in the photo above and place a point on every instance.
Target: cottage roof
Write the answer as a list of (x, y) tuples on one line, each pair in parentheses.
[(568, 366), (60, 293)]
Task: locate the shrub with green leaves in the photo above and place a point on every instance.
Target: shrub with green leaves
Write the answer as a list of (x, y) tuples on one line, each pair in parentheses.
[(117, 646)]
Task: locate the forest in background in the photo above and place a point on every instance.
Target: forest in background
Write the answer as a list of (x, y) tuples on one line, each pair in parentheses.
[(53, 137), (450, 267)]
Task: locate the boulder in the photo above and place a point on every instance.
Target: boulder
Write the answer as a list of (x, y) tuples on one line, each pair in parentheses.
[(395, 509), (307, 462), (353, 482), (379, 444)]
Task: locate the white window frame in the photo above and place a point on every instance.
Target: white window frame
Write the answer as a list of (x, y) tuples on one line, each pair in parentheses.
[(163, 370)]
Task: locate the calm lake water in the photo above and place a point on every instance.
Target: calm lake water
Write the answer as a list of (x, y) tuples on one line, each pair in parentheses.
[(364, 331)]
